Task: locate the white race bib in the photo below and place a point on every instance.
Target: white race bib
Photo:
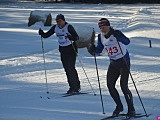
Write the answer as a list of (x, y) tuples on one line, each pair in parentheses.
[(61, 34), (115, 50)]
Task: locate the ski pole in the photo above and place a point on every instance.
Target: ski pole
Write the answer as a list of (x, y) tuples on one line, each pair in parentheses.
[(99, 84), (132, 80), (44, 65), (86, 76), (83, 68)]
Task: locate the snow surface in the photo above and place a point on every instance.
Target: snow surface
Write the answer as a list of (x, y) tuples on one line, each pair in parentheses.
[(22, 78)]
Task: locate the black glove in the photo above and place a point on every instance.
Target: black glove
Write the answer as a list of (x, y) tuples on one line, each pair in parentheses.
[(40, 32), (92, 49), (69, 37)]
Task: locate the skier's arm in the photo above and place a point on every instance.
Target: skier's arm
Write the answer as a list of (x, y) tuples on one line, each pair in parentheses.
[(48, 33), (74, 36), (121, 37)]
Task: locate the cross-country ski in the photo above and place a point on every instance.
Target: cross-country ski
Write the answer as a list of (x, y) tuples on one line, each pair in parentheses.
[(125, 117), (73, 94), (58, 96)]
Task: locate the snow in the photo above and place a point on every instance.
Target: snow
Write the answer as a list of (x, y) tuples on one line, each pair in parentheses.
[(22, 78)]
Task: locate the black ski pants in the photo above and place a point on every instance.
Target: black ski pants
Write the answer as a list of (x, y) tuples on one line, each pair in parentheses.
[(68, 58), (114, 71)]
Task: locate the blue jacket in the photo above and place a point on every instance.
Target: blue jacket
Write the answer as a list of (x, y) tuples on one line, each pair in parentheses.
[(120, 38)]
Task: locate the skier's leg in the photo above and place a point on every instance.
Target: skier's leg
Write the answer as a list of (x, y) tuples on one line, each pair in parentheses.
[(127, 93), (73, 72), (64, 59), (112, 76)]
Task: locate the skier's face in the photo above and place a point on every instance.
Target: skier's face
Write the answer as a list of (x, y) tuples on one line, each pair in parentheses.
[(60, 23), (104, 29)]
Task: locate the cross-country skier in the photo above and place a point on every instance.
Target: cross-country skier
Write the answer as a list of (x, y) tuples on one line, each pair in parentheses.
[(114, 41), (67, 36)]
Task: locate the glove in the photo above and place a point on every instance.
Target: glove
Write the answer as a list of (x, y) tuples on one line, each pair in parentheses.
[(40, 32), (91, 49), (69, 37)]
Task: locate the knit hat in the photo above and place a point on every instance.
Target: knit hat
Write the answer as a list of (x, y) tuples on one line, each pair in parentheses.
[(103, 22), (60, 16)]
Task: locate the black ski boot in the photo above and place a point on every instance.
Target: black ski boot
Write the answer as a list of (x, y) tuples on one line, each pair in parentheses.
[(70, 91), (131, 112), (117, 110), (73, 91)]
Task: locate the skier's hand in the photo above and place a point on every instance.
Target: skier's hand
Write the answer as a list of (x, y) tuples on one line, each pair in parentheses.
[(40, 31), (91, 49), (69, 37)]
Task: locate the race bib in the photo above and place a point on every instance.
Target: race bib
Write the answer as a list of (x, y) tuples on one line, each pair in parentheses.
[(114, 48)]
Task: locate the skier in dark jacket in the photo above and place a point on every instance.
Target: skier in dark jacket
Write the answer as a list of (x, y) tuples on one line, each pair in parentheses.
[(67, 36), (114, 41)]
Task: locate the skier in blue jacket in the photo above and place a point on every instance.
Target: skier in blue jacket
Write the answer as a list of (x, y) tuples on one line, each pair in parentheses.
[(114, 41)]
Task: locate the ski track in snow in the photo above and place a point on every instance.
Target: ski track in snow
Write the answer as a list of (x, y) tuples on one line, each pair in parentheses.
[(22, 66)]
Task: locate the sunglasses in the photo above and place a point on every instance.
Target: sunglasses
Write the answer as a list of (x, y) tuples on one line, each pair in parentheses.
[(103, 23), (59, 20)]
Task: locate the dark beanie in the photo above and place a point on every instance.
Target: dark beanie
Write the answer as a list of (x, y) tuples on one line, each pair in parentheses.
[(103, 22), (60, 16)]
